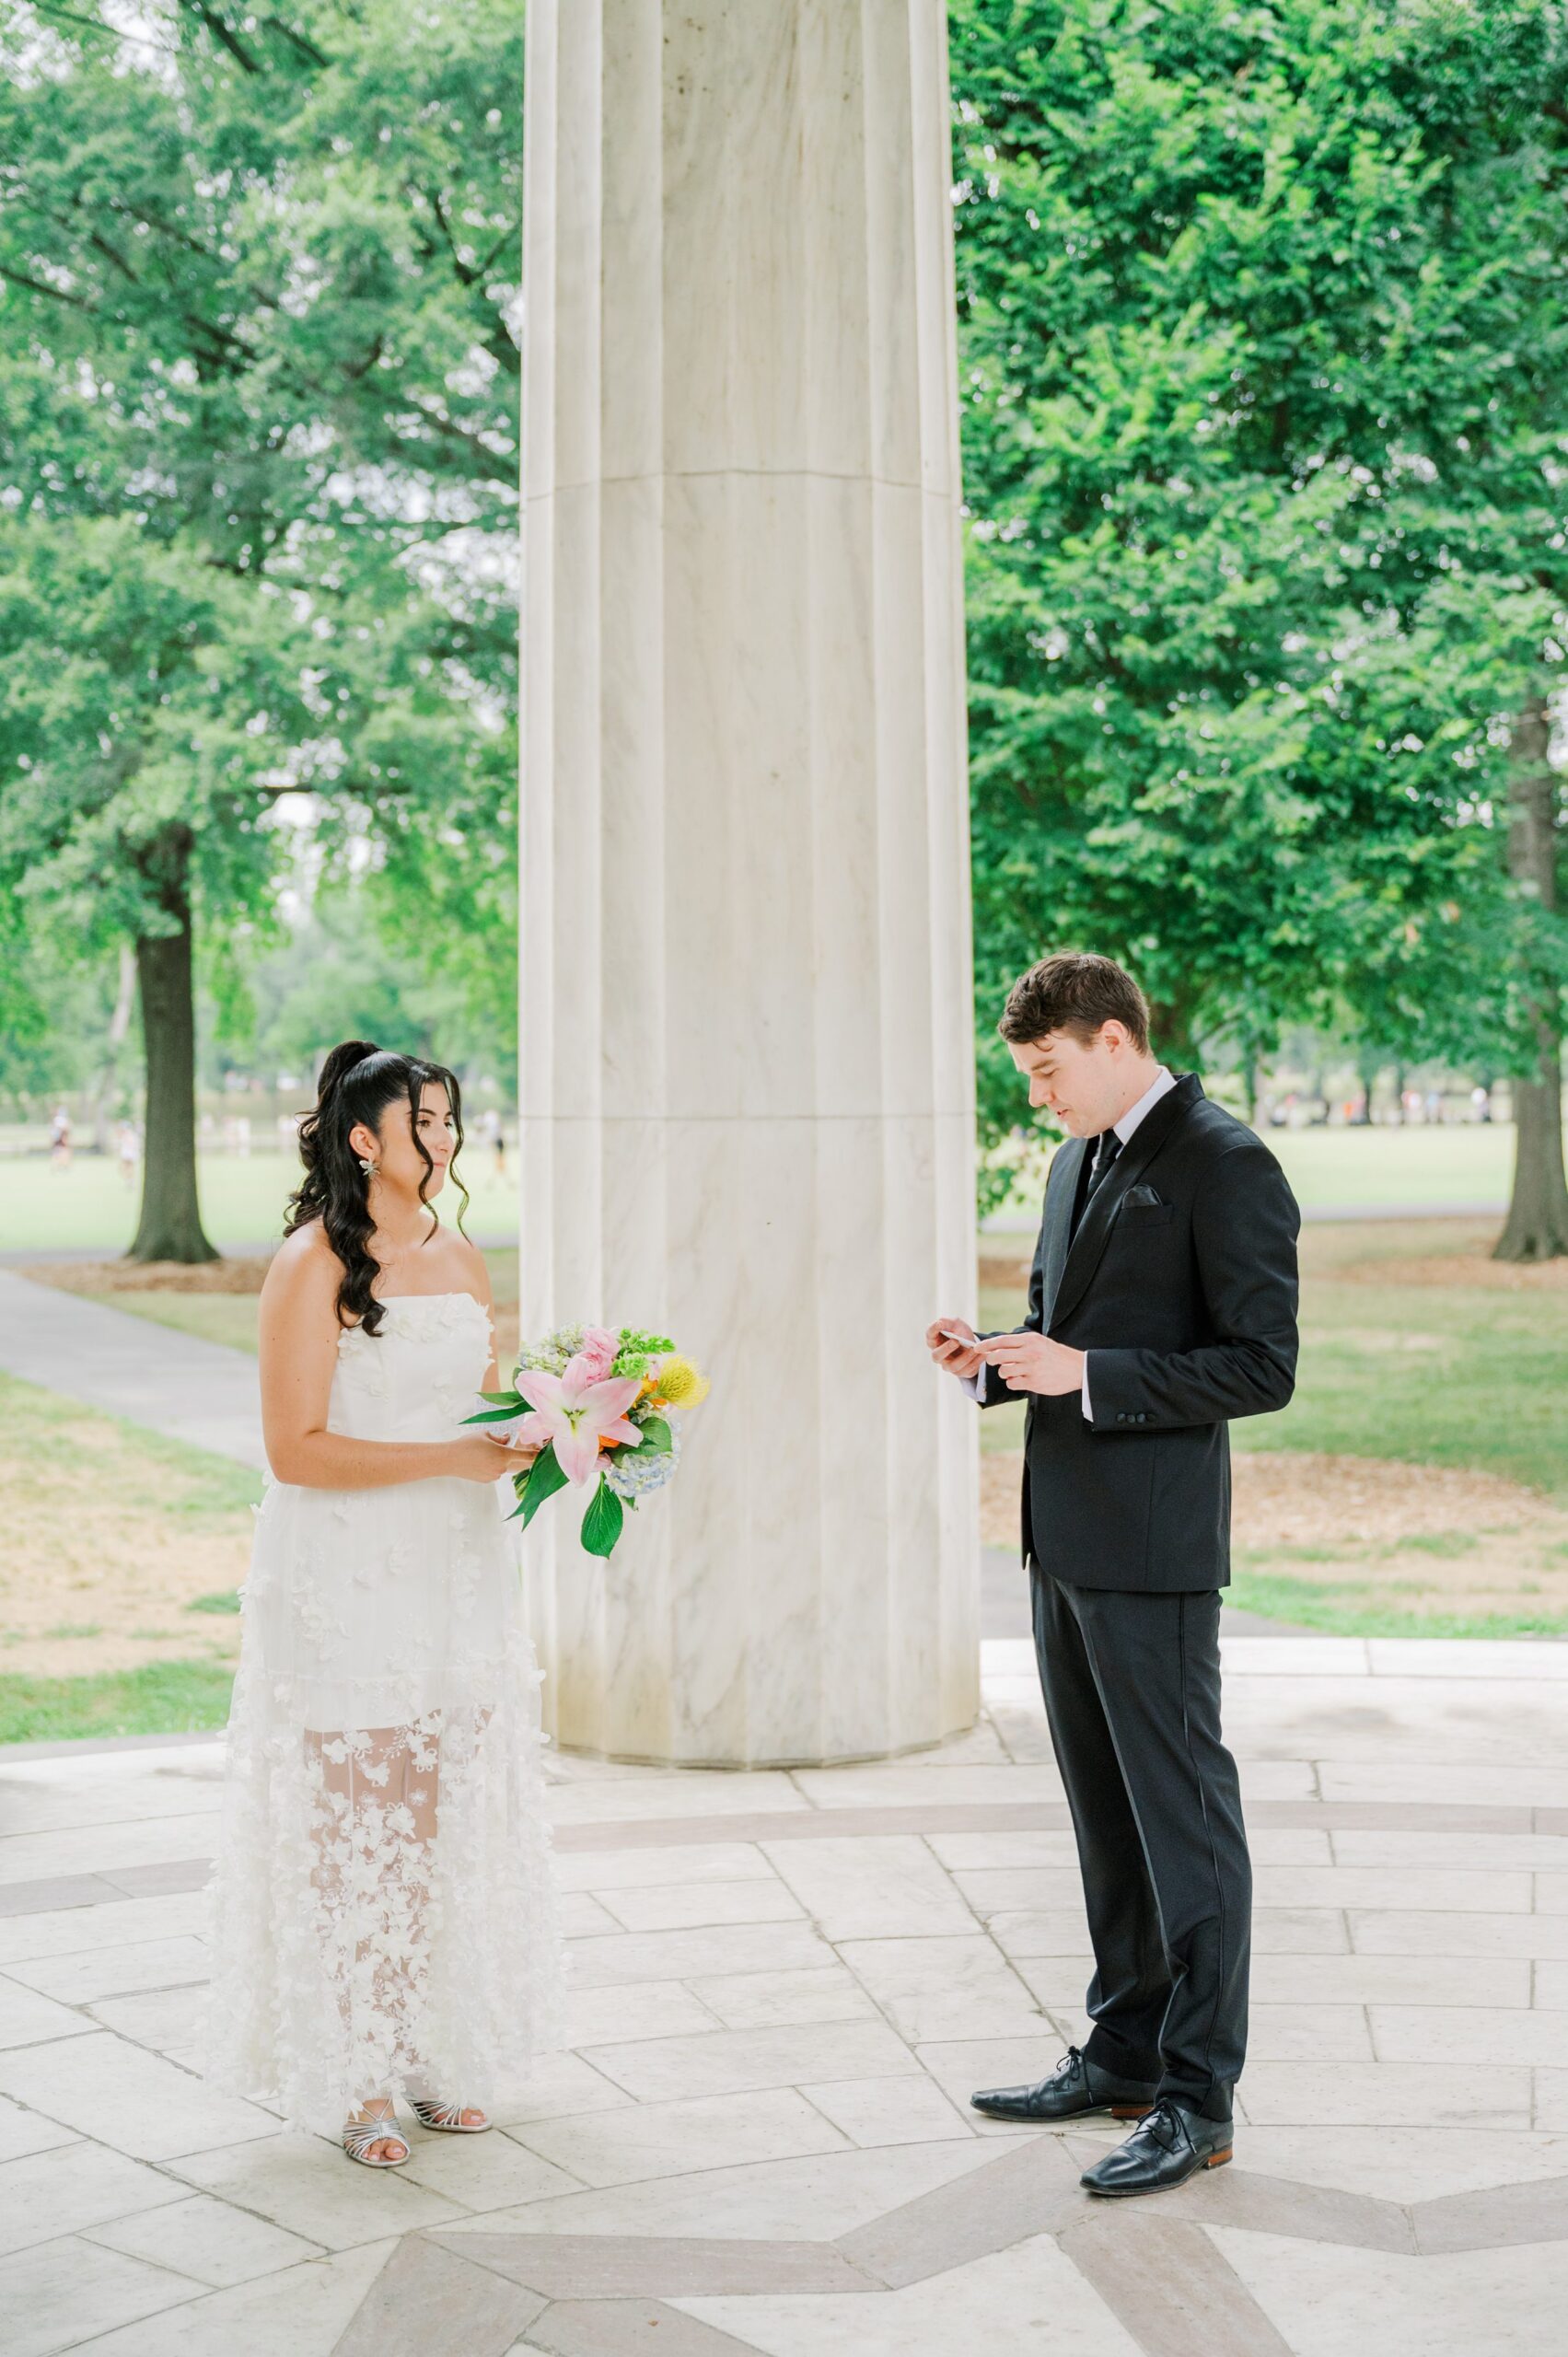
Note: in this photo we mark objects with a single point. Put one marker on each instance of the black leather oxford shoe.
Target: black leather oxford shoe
(1166, 2149)
(1075, 2087)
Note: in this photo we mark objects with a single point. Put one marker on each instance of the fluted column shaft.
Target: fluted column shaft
(747, 1077)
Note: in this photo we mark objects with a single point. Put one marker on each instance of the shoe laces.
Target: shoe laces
(1161, 2125)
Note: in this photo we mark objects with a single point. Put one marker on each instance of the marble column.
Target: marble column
(747, 1073)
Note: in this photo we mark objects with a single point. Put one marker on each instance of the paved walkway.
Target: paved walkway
(785, 1986)
(194, 1392)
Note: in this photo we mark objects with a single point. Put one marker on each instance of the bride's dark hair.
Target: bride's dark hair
(358, 1082)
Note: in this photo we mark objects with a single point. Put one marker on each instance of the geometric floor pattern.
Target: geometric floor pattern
(756, 2143)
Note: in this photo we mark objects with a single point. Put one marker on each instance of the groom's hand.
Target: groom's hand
(961, 1358)
(1034, 1363)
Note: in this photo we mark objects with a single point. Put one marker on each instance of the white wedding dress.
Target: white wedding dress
(383, 1912)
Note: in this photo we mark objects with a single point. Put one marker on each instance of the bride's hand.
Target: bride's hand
(477, 1457)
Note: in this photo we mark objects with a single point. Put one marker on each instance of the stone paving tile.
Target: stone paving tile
(858, 1889)
(430, 2299)
(1399, 2164)
(560, 2085)
(1322, 2299)
(900, 1785)
(64, 2294)
(943, 1987)
(1378, 1887)
(1487, 1853)
(677, 1862)
(1552, 2101)
(1377, 1979)
(108, 1970)
(676, 1907)
(28, 2019)
(723, 2062)
(1470, 2033)
(816, 2197)
(760, 1999)
(77, 2185)
(682, 1956)
(1420, 1932)
(1551, 1894)
(976, 1852)
(1500, 2216)
(582, 1916)
(1304, 2033)
(889, 2111)
(1551, 1986)
(635, 2009)
(118, 1923)
(655, 2138)
(167, 2021)
(680, 1792)
(1468, 1782)
(210, 2240)
(1029, 2296)
(132, 2100)
(302, 2312)
(106, 1850)
(492, 2172)
(1403, 2094)
(23, 2131)
(305, 2186)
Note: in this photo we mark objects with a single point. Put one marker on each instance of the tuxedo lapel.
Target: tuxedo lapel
(1056, 1223)
(1083, 1257)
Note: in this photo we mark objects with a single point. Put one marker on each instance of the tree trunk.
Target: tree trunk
(1537, 1227)
(170, 1225)
(119, 1024)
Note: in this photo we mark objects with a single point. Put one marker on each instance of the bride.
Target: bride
(384, 1918)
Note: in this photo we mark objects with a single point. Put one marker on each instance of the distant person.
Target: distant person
(60, 1139)
(1480, 1103)
(1162, 1303)
(495, 1137)
(128, 1151)
(384, 1919)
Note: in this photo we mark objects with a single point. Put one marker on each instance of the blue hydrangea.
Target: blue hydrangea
(640, 1472)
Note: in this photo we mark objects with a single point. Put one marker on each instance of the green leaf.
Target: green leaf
(497, 1415)
(601, 1524)
(657, 1436)
(506, 1399)
(545, 1478)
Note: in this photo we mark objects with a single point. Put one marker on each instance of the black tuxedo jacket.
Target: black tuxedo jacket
(1180, 1283)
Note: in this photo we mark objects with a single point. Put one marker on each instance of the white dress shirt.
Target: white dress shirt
(1161, 1086)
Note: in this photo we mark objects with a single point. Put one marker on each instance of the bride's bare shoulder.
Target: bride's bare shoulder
(303, 1269)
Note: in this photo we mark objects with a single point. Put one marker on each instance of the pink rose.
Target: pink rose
(593, 1361)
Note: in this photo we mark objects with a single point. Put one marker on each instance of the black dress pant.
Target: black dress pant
(1132, 1685)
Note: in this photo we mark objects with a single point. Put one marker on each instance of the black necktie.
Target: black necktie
(1106, 1152)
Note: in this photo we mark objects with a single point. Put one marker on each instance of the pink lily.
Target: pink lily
(573, 1417)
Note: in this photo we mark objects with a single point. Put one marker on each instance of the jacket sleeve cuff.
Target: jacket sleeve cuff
(1120, 1404)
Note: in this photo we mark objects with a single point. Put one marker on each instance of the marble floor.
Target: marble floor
(785, 1985)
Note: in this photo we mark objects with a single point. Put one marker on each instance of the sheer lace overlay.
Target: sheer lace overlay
(383, 1913)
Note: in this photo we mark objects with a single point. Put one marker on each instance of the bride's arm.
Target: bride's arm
(299, 1344)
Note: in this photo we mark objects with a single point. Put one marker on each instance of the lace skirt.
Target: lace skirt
(383, 1914)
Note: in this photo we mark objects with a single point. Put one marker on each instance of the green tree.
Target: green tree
(258, 451)
(1263, 356)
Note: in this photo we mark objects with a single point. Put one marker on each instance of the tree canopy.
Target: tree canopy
(1264, 321)
(258, 456)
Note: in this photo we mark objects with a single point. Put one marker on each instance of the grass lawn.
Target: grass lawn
(123, 1554)
(1463, 1166)
(1418, 1482)
(90, 1208)
(161, 1698)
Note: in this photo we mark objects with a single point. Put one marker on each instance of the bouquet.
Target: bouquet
(603, 1409)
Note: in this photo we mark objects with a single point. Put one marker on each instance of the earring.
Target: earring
(367, 1166)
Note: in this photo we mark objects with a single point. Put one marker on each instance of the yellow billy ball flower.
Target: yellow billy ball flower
(680, 1385)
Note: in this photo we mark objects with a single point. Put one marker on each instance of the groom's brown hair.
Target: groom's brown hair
(1074, 992)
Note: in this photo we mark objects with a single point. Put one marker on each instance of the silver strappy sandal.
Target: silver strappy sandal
(375, 2128)
(449, 2117)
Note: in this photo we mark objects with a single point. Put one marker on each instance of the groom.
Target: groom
(1162, 1303)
